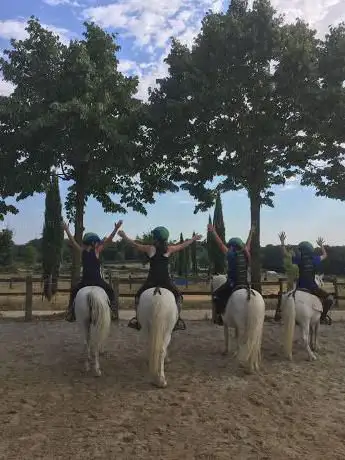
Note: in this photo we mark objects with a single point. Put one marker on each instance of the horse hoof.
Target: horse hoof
(225, 352)
(313, 357)
(98, 372)
(160, 383)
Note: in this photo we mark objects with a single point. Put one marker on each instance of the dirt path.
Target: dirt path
(51, 410)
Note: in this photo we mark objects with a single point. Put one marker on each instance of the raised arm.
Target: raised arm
(146, 248)
(178, 247)
(71, 238)
(219, 242)
(282, 237)
(320, 242)
(109, 239)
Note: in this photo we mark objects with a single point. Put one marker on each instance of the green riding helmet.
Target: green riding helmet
(236, 243)
(160, 234)
(91, 238)
(306, 247)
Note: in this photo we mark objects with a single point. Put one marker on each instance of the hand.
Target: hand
(197, 237)
(118, 224)
(320, 242)
(121, 233)
(210, 228)
(282, 237)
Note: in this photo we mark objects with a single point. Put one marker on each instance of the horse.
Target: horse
(301, 307)
(92, 311)
(245, 312)
(157, 314)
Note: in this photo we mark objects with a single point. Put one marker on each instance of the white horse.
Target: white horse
(92, 311)
(246, 316)
(305, 309)
(157, 314)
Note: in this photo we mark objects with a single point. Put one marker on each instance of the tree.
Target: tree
(187, 261)
(52, 238)
(29, 255)
(210, 243)
(326, 137)
(181, 267)
(6, 247)
(194, 258)
(72, 109)
(218, 223)
(231, 107)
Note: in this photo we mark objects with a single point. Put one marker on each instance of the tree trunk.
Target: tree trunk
(255, 205)
(81, 177)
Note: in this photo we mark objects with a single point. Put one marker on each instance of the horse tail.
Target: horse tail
(289, 320)
(157, 333)
(100, 319)
(250, 352)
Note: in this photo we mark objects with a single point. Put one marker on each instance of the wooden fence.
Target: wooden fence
(115, 282)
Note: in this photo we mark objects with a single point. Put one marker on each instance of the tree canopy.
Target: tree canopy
(72, 109)
(231, 106)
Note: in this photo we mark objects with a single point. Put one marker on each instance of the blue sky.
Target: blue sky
(144, 31)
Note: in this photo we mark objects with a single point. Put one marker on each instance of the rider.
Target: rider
(238, 258)
(307, 263)
(90, 251)
(159, 253)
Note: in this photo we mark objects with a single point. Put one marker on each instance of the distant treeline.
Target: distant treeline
(118, 252)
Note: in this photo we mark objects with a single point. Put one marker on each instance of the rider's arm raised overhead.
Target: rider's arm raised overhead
(71, 238)
(320, 243)
(219, 242)
(140, 247)
(178, 247)
(109, 238)
(249, 241)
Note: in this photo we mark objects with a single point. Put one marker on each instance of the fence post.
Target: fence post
(11, 283)
(278, 314)
(115, 286)
(28, 299)
(130, 281)
(336, 292)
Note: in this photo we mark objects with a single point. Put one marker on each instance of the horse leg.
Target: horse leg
(97, 367)
(226, 340)
(305, 332)
(237, 336)
(315, 342)
(88, 350)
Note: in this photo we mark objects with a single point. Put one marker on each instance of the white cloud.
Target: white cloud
(13, 28)
(62, 2)
(6, 88)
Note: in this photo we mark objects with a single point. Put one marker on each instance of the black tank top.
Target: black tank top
(91, 266)
(159, 268)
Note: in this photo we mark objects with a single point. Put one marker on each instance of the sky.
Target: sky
(144, 31)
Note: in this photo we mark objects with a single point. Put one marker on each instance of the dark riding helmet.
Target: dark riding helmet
(236, 243)
(306, 247)
(160, 234)
(91, 238)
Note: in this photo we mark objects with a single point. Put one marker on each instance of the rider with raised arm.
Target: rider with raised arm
(159, 276)
(91, 276)
(307, 262)
(238, 258)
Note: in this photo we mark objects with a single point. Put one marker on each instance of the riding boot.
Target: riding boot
(326, 304)
(180, 324)
(218, 317)
(70, 313)
(133, 323)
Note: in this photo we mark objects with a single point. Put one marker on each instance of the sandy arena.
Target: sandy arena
(50, 409)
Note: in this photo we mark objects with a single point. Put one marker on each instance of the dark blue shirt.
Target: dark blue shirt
(303, 283)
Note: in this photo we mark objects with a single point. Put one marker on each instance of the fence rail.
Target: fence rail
(29, 292)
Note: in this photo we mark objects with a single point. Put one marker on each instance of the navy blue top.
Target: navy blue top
(91, 266)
